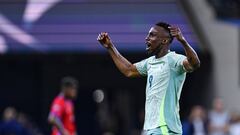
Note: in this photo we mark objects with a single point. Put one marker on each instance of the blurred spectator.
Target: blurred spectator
(198, 122)
(234, 128)
(31, 127)
(10, 125)
(218, 119)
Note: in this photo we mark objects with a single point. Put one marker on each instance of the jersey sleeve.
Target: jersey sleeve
(57, 108)
(178, 63)
(142, 67)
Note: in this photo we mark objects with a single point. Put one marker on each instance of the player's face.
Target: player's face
(154, 40)
(71, 93)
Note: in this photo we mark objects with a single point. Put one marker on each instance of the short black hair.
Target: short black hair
(67, 82)
(165, 26)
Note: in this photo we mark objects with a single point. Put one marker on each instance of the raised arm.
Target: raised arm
(126, 67)
(192, 62)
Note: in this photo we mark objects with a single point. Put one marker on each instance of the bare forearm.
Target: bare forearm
(122, 63)
(126, 67)
(57, 123)
(191, 54)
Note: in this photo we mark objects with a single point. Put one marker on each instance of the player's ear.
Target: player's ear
(165, 41)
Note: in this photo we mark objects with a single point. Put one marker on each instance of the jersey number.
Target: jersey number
(150, 80)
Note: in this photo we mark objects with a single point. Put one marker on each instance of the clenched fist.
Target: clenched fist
(104, 39)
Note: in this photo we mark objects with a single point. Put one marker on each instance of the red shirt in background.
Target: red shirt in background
(64, 110)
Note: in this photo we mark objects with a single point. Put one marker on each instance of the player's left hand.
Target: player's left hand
(176, 32)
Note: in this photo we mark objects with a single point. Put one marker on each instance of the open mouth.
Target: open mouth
(148, 45)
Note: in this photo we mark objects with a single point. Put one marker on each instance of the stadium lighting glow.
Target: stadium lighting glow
(15, 32)
(36, 8)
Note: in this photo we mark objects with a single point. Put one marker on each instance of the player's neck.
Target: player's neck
(162, 52)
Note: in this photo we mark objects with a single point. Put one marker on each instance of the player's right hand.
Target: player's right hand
(104, 39)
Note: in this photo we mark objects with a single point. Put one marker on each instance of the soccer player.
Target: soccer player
(61, 115)
(165, 71)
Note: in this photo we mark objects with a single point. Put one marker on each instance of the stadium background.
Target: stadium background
(43, 41)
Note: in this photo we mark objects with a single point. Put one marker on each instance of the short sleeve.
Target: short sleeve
(178, 63)
(142, 67)
(57, 107)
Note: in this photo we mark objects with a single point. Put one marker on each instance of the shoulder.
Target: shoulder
(58, 104)
(173, 55)
(174, 58)
(211, 113)
(58, 100)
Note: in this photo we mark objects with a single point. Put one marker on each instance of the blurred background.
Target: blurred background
(43, 41)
